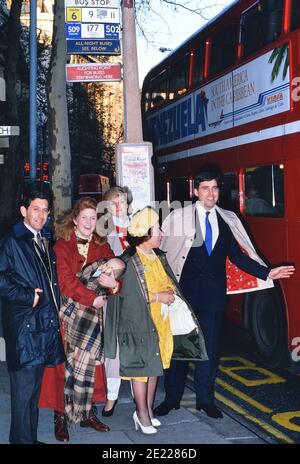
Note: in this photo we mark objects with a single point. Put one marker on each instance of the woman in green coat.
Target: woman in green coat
(150, 318)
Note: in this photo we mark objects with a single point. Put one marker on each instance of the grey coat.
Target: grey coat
(129, 320)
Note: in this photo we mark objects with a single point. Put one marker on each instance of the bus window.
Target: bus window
(224, 49)
(198, 66)
(229, 192)
(147, 101)
(264, 191)
(295, 15)
(93, 185)
(180, 190)
(179, 77)
(159, 87)
(261, 25)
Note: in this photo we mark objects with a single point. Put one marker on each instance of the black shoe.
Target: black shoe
(110, 411)
(164, 408)
(210, 409)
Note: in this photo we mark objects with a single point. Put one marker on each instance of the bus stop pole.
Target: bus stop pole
(133, 157)
(32, 90)
(132, 106)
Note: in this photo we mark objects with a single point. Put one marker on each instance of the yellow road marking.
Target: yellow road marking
(243, 396)
(243, 361)
(284, 419)
(269, 377)
(268, 428)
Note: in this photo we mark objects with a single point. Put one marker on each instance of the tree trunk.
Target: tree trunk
(60, 163)
(11, 180)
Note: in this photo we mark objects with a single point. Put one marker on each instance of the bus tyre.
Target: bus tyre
(268, 327)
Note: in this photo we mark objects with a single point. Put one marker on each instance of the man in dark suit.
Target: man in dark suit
(197, 242)
(31, 300)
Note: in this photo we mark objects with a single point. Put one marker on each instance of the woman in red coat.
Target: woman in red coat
(77, 246)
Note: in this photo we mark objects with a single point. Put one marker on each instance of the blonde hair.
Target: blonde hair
(122, 192)
(65, 227)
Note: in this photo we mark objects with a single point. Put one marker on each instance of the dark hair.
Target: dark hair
(208, 172)
(136, 241)
(28, 195)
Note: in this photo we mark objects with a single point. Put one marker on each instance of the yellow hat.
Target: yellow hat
(142, 221)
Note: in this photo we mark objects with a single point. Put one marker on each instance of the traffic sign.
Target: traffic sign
(91, 3)
(93, 47)
(92, 31)
(4, 142)
(91, 72)
(73, 15)
(9, 131)
(92, 15)
(100, 15)
(2, 89)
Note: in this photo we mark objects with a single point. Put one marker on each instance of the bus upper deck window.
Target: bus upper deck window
(224, 49)
(198, 65)
(261, 25)
(179, 77)
(159, 87)
(295, 15)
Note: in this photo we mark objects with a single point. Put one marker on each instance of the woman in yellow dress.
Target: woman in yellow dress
(138, 317)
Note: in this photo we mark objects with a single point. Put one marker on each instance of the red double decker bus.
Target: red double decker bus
(230, 95)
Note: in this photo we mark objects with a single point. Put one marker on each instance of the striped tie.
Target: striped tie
(39, 241)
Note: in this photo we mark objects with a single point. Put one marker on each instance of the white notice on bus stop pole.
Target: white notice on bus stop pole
(134, 169)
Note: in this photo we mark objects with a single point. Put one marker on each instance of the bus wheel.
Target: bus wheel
(268, 327)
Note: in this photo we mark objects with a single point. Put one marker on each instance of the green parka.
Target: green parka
(128, 319)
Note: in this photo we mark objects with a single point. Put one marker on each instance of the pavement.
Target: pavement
(183, 426)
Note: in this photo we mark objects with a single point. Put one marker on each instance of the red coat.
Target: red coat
(69, 262)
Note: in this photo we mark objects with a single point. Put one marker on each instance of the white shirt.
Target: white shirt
(35, 232)
(212, 219)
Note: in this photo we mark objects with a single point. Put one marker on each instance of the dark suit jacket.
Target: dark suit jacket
(203, 279)
(31, 335)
